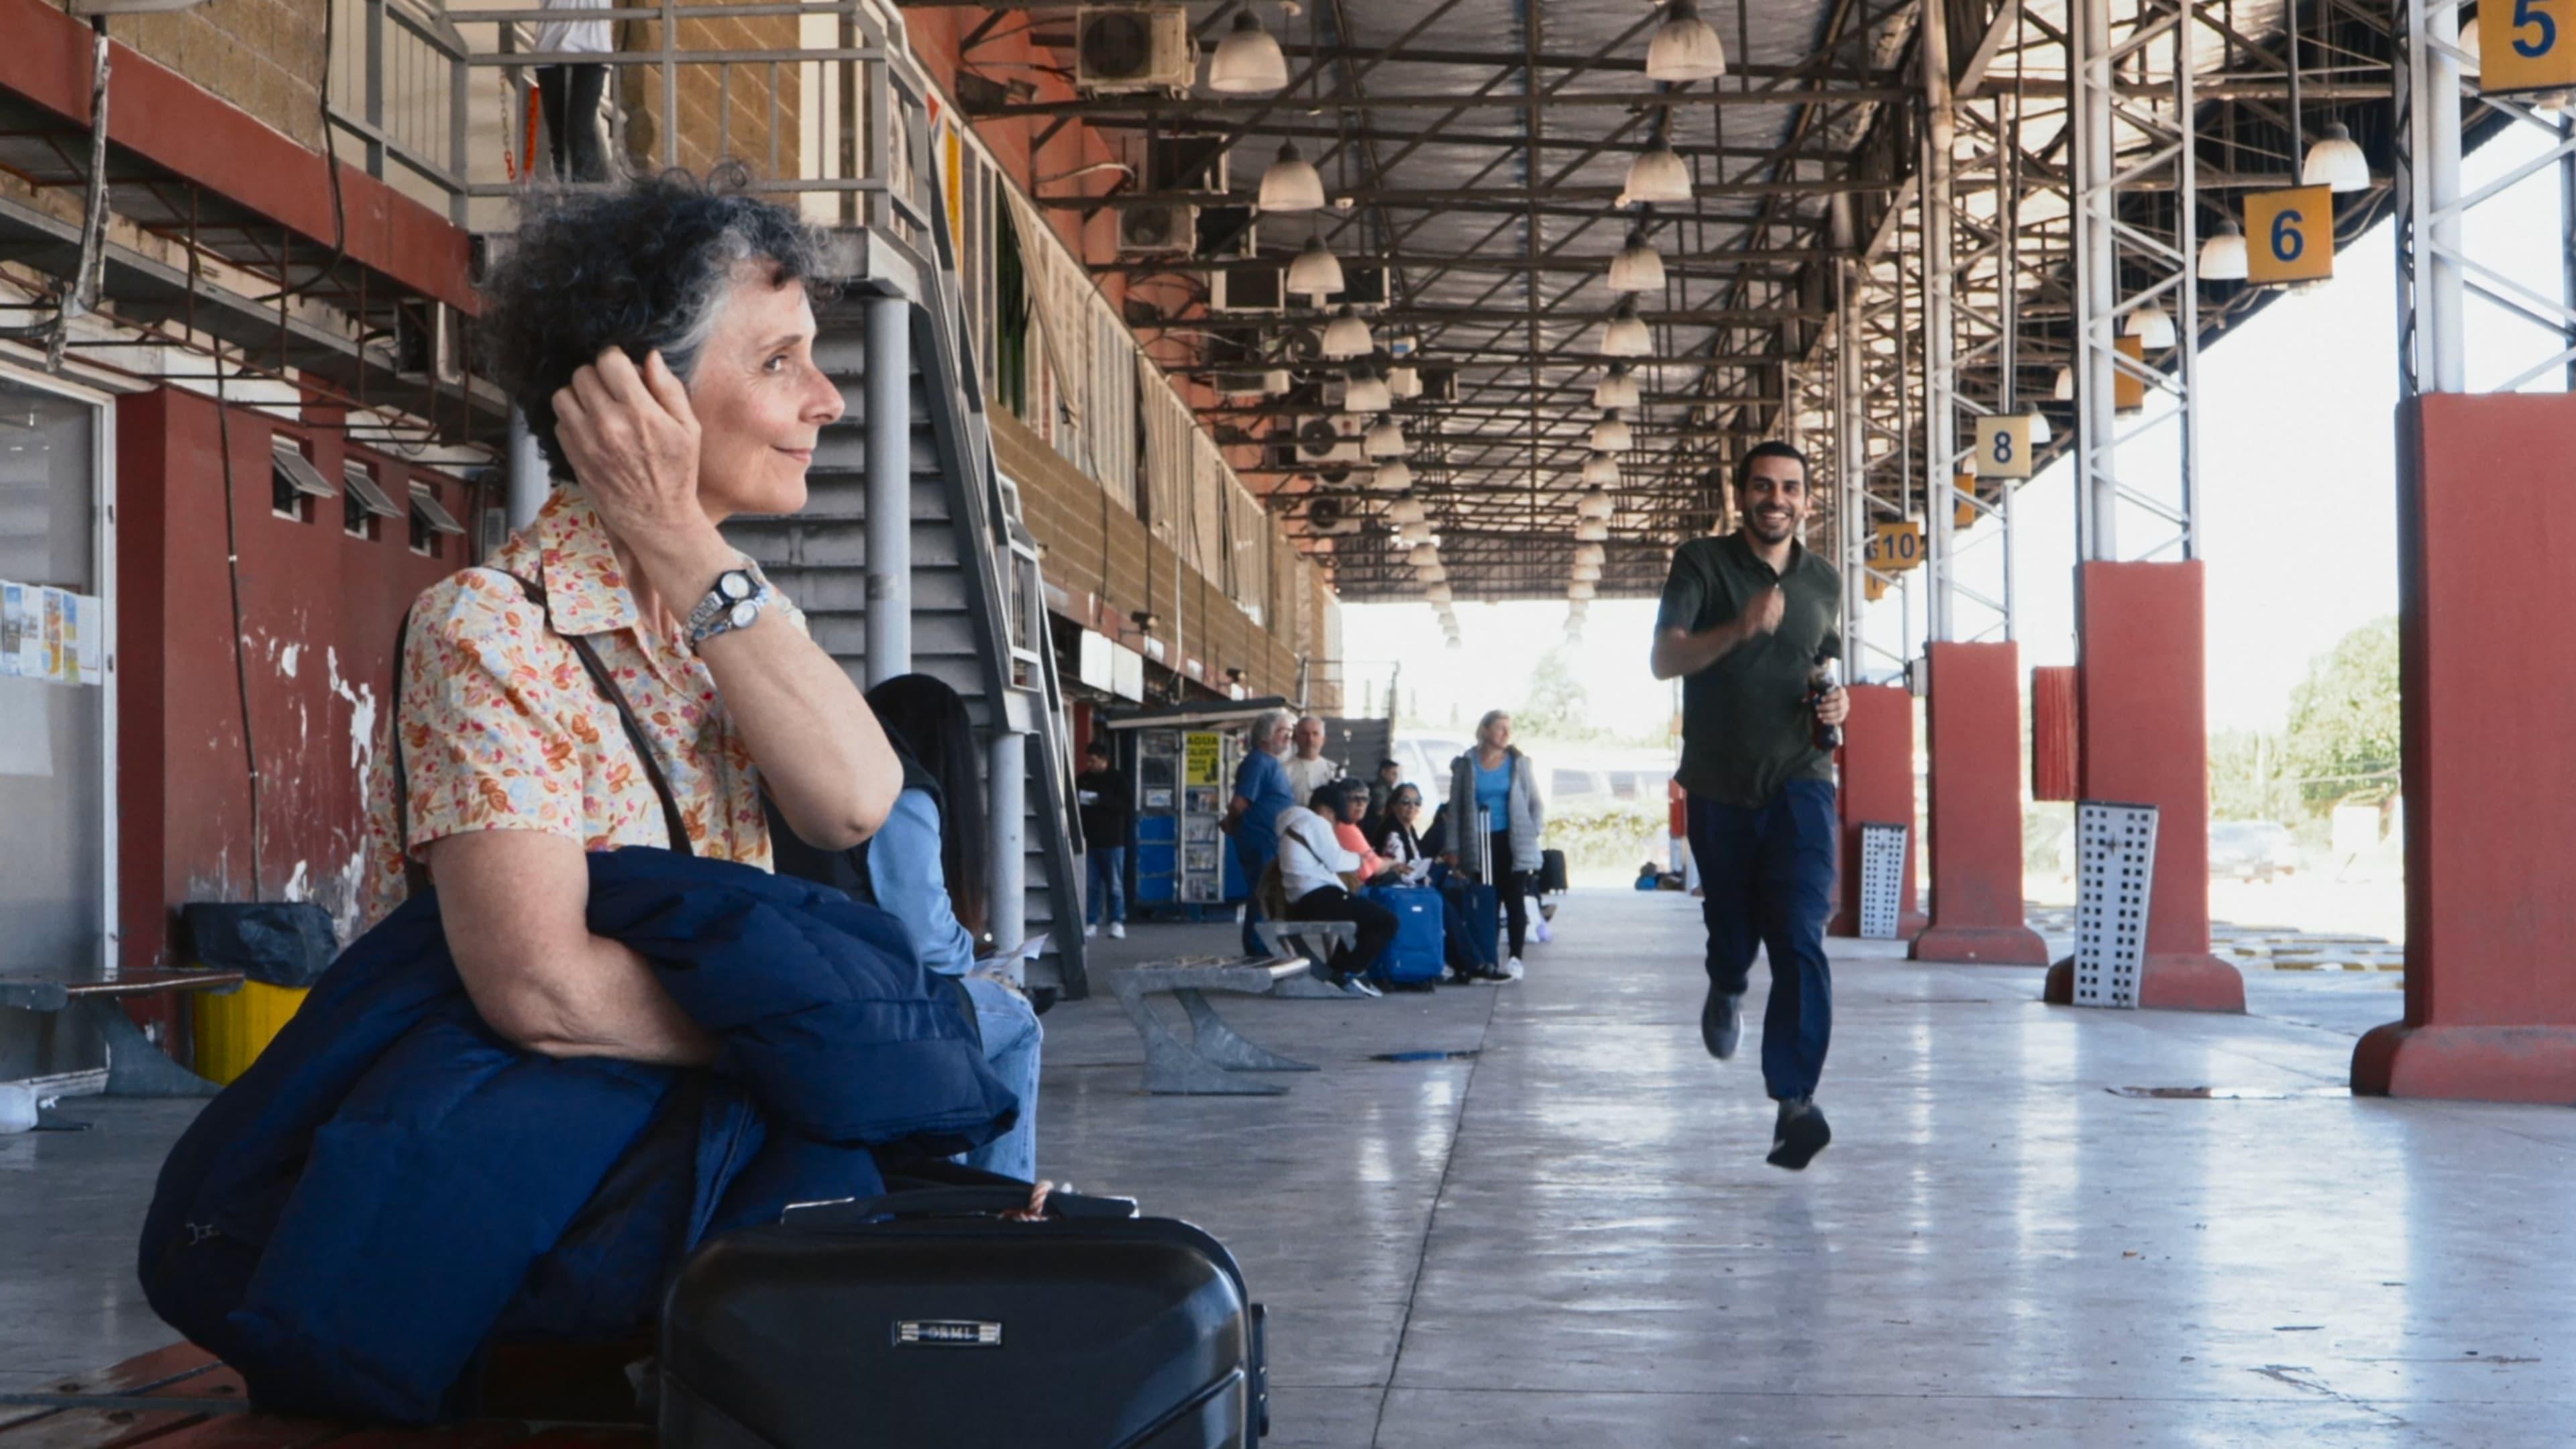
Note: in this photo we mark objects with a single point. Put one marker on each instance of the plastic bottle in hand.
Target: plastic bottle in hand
(1821, 681)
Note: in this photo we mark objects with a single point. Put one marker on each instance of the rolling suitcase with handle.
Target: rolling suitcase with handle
(1418, 952)
(925, 1317)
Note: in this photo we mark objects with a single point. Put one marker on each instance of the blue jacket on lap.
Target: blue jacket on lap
(392, 1186)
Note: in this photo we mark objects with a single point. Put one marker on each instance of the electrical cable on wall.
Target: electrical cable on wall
(330, 170)
(241, 639)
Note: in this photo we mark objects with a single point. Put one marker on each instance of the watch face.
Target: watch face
(744, 613)
(735, 583)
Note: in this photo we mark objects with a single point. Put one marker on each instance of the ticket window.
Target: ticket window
(56, 882)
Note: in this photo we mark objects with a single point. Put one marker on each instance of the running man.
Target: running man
(1745, 620)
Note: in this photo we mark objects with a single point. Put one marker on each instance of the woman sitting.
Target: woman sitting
(1352, 806)
(1316, 873)
(926, 866)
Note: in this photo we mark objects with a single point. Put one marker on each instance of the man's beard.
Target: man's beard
(1788, 528)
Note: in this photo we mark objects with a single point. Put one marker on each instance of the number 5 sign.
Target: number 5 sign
(2003, 445)
(2524, 45)
(2289, 235)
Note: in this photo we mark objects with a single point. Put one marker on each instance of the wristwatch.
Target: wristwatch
(734, 603)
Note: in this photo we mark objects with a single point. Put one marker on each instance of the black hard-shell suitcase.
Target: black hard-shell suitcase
(947, 1325)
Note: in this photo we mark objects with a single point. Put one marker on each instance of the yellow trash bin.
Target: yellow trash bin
(233, 1029)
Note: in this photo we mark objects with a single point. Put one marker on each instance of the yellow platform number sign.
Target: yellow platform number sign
(1895, 547)
(2003, 446)
(2289, 235)
(1964, 511)
(2524, 45)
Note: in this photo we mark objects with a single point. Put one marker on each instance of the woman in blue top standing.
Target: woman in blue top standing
(1495, 781)
(926, 868)
(1252, 816)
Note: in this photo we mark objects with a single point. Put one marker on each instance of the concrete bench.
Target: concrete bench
(1206, 1064)
(1315, 941)
(135, 1067)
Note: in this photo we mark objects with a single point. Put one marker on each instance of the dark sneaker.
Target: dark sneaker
(1799, 1135)
(1721, 1022)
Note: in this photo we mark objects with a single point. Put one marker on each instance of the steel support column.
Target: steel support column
(889, 487)
(1940, 321)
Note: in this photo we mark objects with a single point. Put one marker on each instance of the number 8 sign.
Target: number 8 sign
(2003, 446)
(2289, 235)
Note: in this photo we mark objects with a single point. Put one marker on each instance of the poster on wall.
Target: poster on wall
(13, 613)
(53, 635)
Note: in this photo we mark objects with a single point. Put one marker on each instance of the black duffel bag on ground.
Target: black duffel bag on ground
(926, 1317)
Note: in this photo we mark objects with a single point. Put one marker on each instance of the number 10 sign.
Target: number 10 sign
(2289, 235)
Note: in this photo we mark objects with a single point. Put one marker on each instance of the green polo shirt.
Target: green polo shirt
(1746, 728)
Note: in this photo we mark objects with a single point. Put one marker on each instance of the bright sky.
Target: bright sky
(2298, 500)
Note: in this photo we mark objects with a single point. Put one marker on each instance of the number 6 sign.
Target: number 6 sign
(2289, 235)
(2003, 445)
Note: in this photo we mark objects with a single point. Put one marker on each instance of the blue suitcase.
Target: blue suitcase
(1416, 952)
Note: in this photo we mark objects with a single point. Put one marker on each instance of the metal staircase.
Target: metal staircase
(977, 605)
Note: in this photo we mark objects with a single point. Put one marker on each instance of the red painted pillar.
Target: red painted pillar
(1877, 786)
(1973, 715)
(2143, 686)
(2487, 673)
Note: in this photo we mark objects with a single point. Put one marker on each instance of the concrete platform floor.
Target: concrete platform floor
(1571, 1239)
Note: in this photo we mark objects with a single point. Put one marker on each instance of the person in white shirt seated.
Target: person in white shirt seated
(1316, 874)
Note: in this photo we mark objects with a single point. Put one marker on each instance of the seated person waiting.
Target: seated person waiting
(926, 868)
(1316, 873)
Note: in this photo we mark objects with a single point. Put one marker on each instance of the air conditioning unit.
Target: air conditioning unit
(1228, 231)
(1327, 440)
(1363, 287)
(1161, 230)
(1252, 289)
(1191, 161)
(1126, 49)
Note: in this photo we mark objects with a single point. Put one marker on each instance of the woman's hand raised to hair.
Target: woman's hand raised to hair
(633, 442)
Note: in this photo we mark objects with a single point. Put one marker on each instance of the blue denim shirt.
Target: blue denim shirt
(903, 866)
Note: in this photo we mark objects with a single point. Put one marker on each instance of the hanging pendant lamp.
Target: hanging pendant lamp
(1601, 470)
(1618, 390)
(1638, 267)
(2336, 162)
(1658, 176)
(1685, 47)
(2153, 326)
(1292, 183)
(1315, 272)
(1347, 336)
(1612, 434)
(1593, 505)
(2222, 257)
(1391, 475)
(1366, 392)
(1385, 440)
(1625, 334)
(1248, 62)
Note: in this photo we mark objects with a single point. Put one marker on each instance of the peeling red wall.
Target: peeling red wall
(320, 608)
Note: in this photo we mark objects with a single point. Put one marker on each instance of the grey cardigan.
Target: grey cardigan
(1527, 811)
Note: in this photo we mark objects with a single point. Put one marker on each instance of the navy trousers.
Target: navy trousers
(1767, 877)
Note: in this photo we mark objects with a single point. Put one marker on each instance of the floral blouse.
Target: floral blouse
(502, 728)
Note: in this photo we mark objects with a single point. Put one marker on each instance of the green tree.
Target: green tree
(2341, 745)
(2248, 778)
(1556, 706)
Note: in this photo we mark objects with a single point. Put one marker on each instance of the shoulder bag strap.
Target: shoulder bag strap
(416, 875)
(672, 820)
